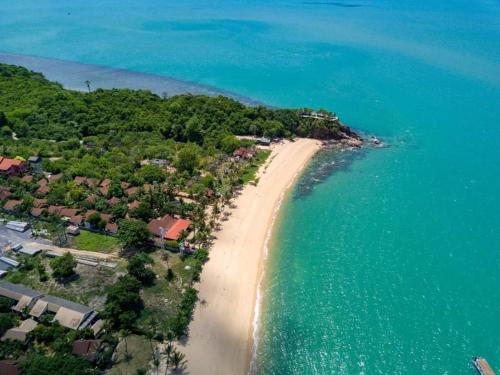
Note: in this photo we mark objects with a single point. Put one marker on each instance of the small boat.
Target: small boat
(482, 366)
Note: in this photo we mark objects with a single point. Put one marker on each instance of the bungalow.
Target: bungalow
(91, 198)
(37, 211)
(43, 186)
(86, 349)
(104, 190)
(10, 167)
(131, 190)
(133, 205)
(170, 226)
(244, 153)
(75, 220)
(4, 192)
(55, 210)
(92, 182)
(124, 185)
(28, 178)
(21, 332)
(79, 180)
(111, 228)
(69, 314)
(25, 297)
(105, 182)
(114, 201)
(68, 212)
(38, 203)
(11, 205)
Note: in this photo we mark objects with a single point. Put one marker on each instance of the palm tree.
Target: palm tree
(167, 352)
(87, 83)
(178, 359)
(124, 333)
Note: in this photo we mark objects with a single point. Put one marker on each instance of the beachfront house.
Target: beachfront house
(171, 227)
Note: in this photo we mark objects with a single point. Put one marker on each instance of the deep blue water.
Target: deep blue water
(390, 265)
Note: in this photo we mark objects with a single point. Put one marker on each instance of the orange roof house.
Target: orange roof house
(36, 211)
(114, 201)
(11, 205)
(10, 167)
(133, 205)
(173, 227)
(111, 228)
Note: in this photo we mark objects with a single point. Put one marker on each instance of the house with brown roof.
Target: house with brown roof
(131, 190)
(36, 211)
(86, 349)
(38, 203)
(105, 182)
(92, 182)
(55, 177)
(171, 227)
(21, 332)
(28, 178)
(68, 212)
(76, 220)
(124, 185)
(43, 186)
(9, 367)
(114, 201)
(55, 210)
(133, 205)
(79, 180)
(4, 192)
(91, 198)
(10, 167)
(111, 228)
(244, 153)
(104, 190)
(11, 205)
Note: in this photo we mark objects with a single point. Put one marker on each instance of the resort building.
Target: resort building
(171, 227)
(69, 314)
(10, 167)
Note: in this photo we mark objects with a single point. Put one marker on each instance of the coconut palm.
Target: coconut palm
(178, 359)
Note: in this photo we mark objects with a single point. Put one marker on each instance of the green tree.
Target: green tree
(63, 266)
(133, 233)
(152, 173)
(137, 268)
(123, 302)
(39, 364)
(188, 159)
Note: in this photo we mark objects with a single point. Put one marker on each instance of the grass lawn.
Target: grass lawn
(250, 172)
(140, 350)
(95, 242)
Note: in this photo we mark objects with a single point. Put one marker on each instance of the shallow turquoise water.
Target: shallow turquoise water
(390, 265)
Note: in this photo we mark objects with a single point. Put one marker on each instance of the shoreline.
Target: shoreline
(72, 75)
(221, 335)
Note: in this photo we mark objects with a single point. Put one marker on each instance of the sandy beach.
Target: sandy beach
(220, 338)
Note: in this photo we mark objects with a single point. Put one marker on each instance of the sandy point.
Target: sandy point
(220, 335)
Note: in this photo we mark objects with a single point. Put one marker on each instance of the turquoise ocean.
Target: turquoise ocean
(383, 261)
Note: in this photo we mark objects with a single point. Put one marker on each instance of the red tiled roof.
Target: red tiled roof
(6, 164)
(43, 190)
(11, 204)
(79, 180)
(132, 190)
(76, 220)
(68, 212)
(4, 193)
(36, 211)
(91, 198)
(114, 201)
(43, 182)
(86, 348)
(89, 213)
(106, 217)
(39, 202)
(27, 178)
(133, 205)
(171, 225)
(9, 367)
(175, 231)
(105, 182)
(112, 227)
(104, 190)
(92, 182)
(54, 210)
